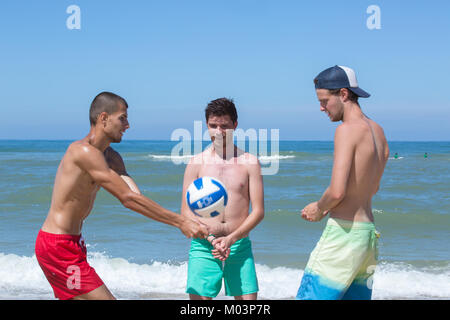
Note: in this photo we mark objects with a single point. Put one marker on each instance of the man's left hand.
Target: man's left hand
(312, 212)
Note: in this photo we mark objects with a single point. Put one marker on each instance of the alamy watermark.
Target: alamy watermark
(74, 20)
(190, 147)
(374, 20)
(74, 280)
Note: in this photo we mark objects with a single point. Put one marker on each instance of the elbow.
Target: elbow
(127, 199)
(260, 214)
(337, 195)
(257, 214)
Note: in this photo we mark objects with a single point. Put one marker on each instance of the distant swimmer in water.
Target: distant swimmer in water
(425, 155)
(396, 155)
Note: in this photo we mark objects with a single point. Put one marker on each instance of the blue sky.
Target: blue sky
(169, 58)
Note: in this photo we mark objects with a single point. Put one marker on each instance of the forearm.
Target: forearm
(328, 200)
(152, 210)
(186, 212)
(253, 219)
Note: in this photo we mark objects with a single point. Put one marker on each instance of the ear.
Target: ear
(235, 125)
(343, 94)
(103, 118)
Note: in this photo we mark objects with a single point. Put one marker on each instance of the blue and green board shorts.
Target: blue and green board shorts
(342, 264)
(205, 273)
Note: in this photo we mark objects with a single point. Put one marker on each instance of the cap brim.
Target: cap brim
(360, 92)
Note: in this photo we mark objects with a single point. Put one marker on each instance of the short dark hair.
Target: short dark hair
(105, 102)
(221, 107)
(351, 95)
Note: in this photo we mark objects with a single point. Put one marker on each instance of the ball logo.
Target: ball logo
(203, 203)
(207, 197)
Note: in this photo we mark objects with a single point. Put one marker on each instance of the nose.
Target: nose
(218, 131)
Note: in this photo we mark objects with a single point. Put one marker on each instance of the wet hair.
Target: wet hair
(105, 102)
(221, 107)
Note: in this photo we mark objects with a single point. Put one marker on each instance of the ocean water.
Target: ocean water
(139, 258)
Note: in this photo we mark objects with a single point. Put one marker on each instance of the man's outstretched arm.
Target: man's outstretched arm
(92, 161)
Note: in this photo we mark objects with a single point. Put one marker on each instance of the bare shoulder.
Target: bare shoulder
(81, 153)
(193, 166)
(347, 131)
(354, 131)
(198, 159)
(381, 137)
(377, 128)
(250, 161)
(83, 148)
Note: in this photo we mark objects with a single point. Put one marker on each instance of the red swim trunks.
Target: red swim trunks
(62, 257)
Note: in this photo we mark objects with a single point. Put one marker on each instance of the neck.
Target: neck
(352, 111)
(226, 152)
(97, 139)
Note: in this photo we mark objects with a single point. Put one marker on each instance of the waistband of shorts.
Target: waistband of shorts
(59, 236)
(206, 242)
(347, 224)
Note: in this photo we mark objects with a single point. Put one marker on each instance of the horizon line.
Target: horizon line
(165, 140)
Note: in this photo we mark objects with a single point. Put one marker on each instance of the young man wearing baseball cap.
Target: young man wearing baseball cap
(342, 264)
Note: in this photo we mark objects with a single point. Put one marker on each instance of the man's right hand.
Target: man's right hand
(194, 229)
(221, 250)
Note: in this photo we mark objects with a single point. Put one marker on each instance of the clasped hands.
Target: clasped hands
(221, 246)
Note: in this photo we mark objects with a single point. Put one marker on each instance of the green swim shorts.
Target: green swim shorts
(342, 264)
(205, 273)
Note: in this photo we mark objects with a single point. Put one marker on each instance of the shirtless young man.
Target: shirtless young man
(87, 165)
(344, 260)
(227, 252)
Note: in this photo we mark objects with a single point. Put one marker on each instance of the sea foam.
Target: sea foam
(22, 278)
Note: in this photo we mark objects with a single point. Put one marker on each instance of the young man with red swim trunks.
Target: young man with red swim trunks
(87, 165)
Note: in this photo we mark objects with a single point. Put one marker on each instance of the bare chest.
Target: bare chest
(234, 176)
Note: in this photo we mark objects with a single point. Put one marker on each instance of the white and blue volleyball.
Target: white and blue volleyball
(207, 197)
